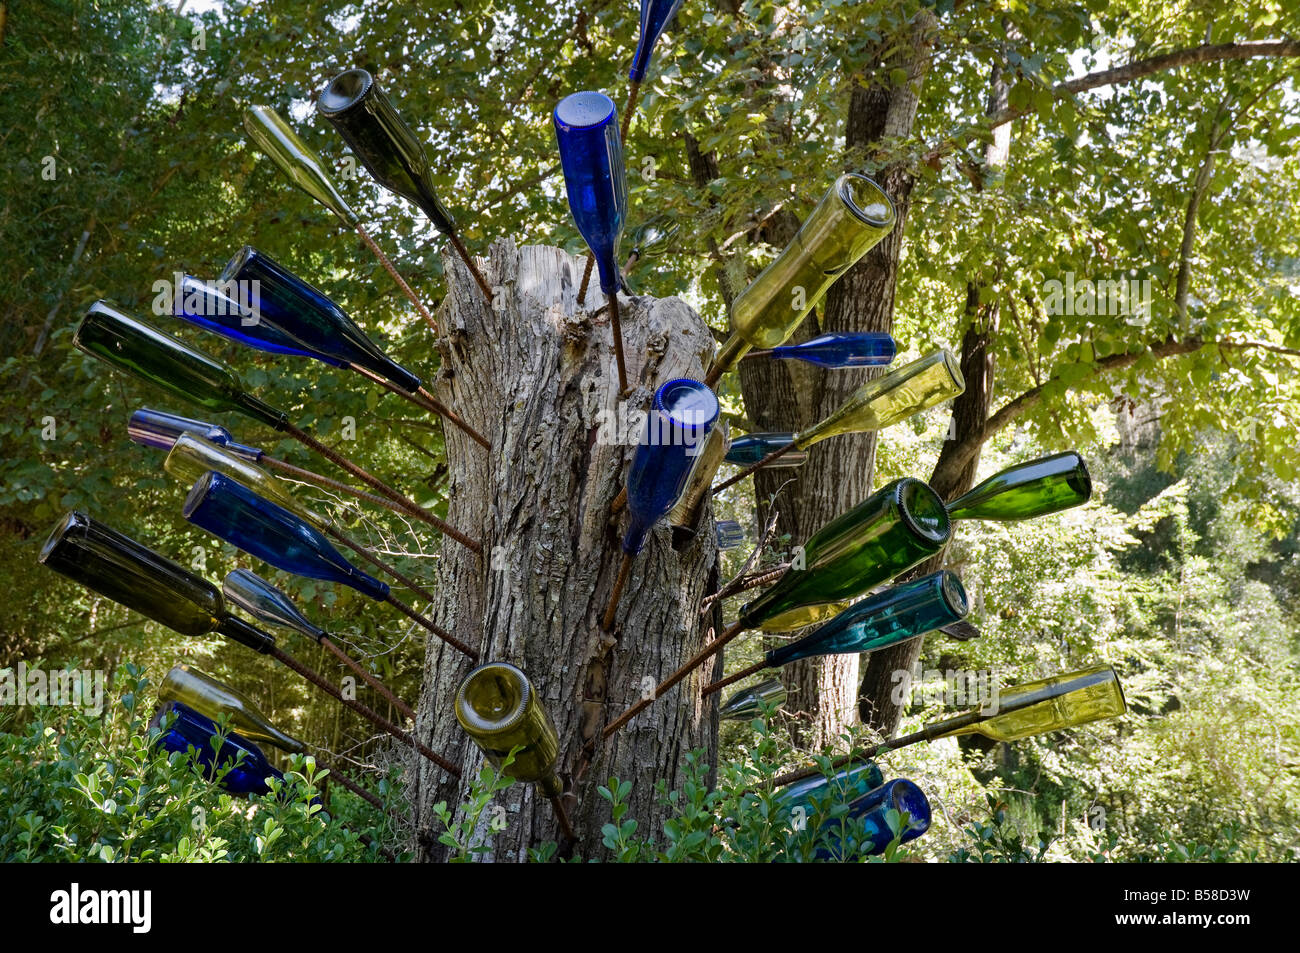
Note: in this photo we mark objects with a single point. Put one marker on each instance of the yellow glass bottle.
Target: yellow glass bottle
(852, 217)
(887, 400)
(213, 699)
(499, 710)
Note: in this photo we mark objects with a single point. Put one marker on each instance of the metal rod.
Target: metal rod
(401, 282)
(732, 679)
(330, 483)
(624, 570)
(441, 633)
(439, 407)
(473, 268)
(618, 340)
(429, 403)
(586, 279)
(408, 505)
(369, 679)
(365, 712)
(562, 816)
(699, 659)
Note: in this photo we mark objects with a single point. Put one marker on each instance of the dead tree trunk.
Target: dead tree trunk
(535, 374)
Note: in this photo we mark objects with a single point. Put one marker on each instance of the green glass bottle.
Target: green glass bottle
(191, 456)
(119, 568)
(297, 160)
(381, 139)
(1037, 488)
(889, 532)
(803, 616)
(1043, 705)
(748, 703)
(110, 334)
(853, 216)
(499, 710)
(213, 699)
(887, 400)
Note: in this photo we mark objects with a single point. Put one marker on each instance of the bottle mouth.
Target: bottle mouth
(866, 200)
(688, 404)
(584, 110)
(953, 593)
(1080, 479)
(74, 522)
(905, 796)
(344, 92)
(923, 511)
(198, 493)
(237, 263)
(493, 698)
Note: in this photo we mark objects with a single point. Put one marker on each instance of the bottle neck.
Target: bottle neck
(245, 634)
(260, 410)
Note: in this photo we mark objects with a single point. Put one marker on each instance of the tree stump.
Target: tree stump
(536, 375)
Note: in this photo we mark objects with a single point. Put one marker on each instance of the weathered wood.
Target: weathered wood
(535, 375)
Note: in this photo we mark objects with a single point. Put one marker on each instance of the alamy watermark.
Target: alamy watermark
(70, 688)
(628, 426)
(212, 299)
(1106, 297)
(953, 688)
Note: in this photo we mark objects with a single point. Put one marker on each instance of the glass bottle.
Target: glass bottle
(499, 710)
(888, 617)
(233, 512)
(191, 457)
(748, 703)
(814, 795)
(652, 238)
(133, 345)
(1043, 705)
(215, 309)
(119, 568)
(800, 617)
(857, 349)
(852, 217)
(591, 155)
(676, 429)
(1036, 488)
(753, 447)
(306, 315)
(263, 601)
(699, 480)
(181, 728)
(730, 534)
(655, 15)
(154, 428)
(297, 160)
(888, 533)
(213, 699)
(370, 125)
(871, 811)
(887, 400)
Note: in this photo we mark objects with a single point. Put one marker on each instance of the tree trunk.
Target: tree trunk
(535, 374)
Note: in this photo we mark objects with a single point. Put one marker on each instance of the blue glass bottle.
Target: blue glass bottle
(868, 823)
(817, 794)
(210, 307)
(753, 447)
(181, 728)
(884, 618)
(655, 15)
(307, 316)
(683, 413)
(863, 349)
(591, 154)
(155, 428)
(257, 526)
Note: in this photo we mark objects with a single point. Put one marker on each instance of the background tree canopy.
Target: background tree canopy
(1035, 150)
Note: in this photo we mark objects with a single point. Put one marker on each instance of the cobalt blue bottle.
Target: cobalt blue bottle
(208, 306)
(188, 729)
(817, 794)
(305, 315)
(154, 428)
(683, 413)
(233, 512)
(655, 15)
(591, 154)
(884, 618)
(862, 349)
(868, 824)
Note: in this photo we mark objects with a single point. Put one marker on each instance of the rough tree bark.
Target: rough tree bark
(535, 374)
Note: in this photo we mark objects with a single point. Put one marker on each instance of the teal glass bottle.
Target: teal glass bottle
(812, 796)
(884, 618)
(753, 447)
(140, 349)
(119, 568)
(1036, 488)
(888, 533)
(748, 703)
(868, 822)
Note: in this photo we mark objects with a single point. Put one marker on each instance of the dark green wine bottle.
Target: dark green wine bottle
(110, 334)
(1036, 488)
(130, 573)
(888, 533)
(367, 121)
